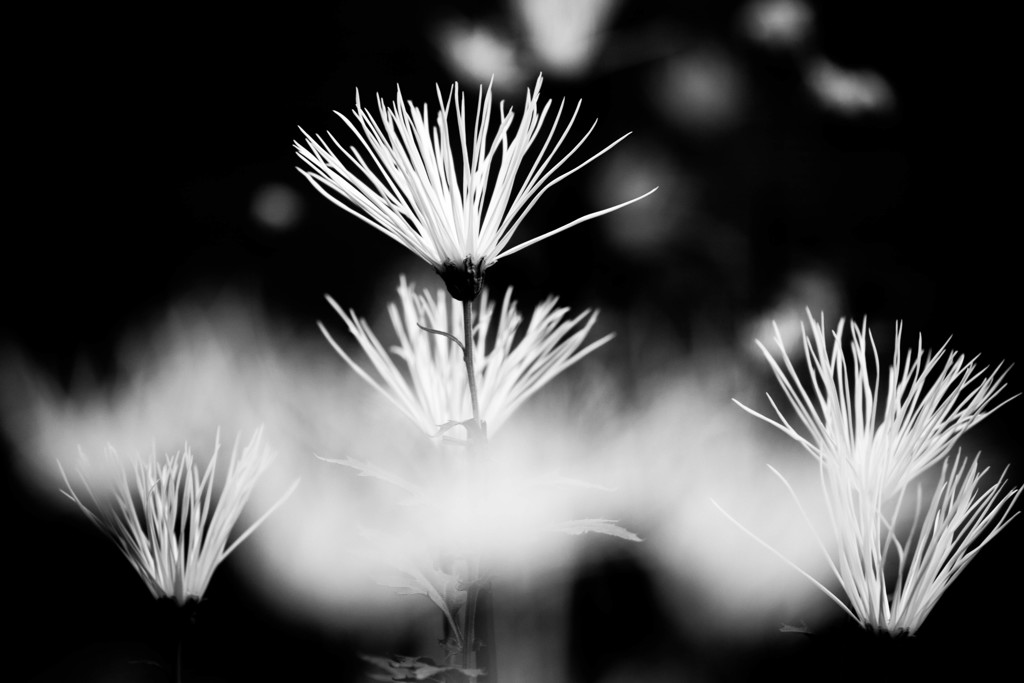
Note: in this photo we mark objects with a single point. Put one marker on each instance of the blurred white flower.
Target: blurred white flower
(513, 363)
(451, 202)
(276, 207)
(182, 534)
(565, 35)
(703, 89)
(777, 23)
(850, 92)
(478, 51)
(868, 462)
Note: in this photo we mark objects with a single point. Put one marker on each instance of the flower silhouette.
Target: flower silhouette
(454, 202)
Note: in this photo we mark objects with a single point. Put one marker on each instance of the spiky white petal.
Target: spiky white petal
(181, 535)
(424, 376)
(448, 200)
(930, 401)
(871, 452)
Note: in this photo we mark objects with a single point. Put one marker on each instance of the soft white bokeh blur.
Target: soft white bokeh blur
(688, 445)
(662, 220)
(562, 38)
(849, 92)
(477, 52)
(277, 207)
(575, 451)
(702, 89)
(777, 23)
(565, 36)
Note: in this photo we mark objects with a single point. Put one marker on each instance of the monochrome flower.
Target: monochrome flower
(428, 383)
(454, 202)
(870, 457)
(162, 515)
(885, 442)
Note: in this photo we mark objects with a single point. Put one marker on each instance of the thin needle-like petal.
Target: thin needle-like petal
(454, 200)
(424, 376)
(182, 534)
(871, 450)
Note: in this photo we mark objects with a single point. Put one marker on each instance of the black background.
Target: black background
(138, 136)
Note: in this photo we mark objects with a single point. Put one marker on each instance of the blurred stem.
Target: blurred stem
(469, 658)
(480, 600)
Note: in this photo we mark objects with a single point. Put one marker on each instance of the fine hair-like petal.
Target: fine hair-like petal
(449, 199)
(424, 375)
(163, 515)
(871, 452)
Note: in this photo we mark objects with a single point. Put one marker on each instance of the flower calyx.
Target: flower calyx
(464, 281)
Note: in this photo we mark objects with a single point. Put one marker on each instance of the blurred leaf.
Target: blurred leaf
(368, 469)
(416, 576)
(596, 526)
(787, 628)
(402, 668)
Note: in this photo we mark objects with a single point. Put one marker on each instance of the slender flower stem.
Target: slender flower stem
(476, 431)
(184, 619)
(474, 602)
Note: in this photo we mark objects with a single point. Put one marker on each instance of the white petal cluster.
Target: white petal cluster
(453, 200)
(163, 514)
(872, 450)
(884, 442)
(424, 375)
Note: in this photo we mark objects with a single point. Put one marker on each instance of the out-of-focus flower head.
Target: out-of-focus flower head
(565, 35)
(870, 460)
(702, 89)
(454, 201)
(162, 515)
(433, 390)
(777, 23)
(478, 50)
(849, 92)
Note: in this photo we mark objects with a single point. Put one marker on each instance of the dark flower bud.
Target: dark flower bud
(464, 281)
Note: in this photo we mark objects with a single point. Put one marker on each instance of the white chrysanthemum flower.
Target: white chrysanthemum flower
(182, 533)
(429, 384)
(454, 203)
(869, 457)
(931, 400)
